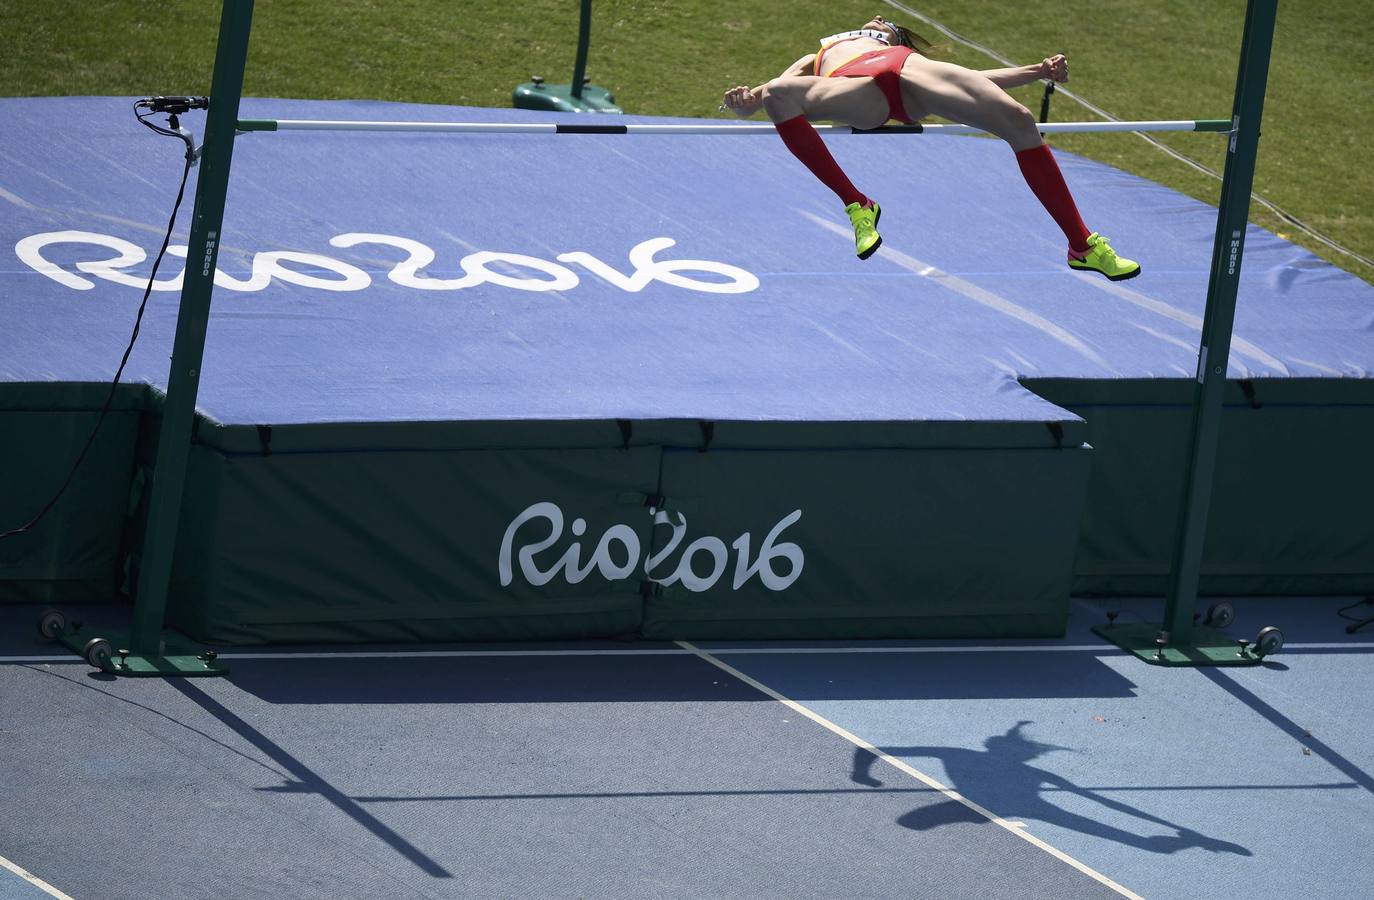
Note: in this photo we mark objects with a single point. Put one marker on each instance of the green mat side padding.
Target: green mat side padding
(292, 535)
(403, 546)
(75, 396)
(73, 554)
(921, 543)
(597, 433)
(1293, 506)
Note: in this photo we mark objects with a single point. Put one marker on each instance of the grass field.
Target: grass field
(1145, 60)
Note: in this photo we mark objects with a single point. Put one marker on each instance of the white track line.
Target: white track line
(33, 879)
(443, 654)
(1103, 649)
(1107, 649)
(1011, 825)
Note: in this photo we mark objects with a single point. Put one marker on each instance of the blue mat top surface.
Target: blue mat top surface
(411, 277)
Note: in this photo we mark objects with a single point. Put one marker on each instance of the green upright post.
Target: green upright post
(584, 39)
(174, 440)
(1177, 641)
(1215, 350)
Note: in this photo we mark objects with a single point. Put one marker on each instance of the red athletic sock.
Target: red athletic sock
(806, 145)
(1043, 175)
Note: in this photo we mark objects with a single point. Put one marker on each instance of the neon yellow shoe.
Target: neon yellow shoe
(865, 222)
(1102, 258)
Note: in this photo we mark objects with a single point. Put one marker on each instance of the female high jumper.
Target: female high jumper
(864, 78)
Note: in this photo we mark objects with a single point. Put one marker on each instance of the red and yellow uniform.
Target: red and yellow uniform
(883, 66)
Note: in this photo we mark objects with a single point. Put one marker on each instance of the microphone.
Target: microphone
(175, 105)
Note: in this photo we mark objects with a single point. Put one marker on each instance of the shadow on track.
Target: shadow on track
(1288, 726)
(1007, 757)
(306, 781)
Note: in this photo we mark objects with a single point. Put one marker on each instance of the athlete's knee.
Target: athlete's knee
(1018, 125)
(1015, 117)
(784, 96)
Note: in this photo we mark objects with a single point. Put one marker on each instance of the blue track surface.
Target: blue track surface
(969, 292)
(643, 769)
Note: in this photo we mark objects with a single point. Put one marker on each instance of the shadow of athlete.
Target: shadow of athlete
(1009, 755)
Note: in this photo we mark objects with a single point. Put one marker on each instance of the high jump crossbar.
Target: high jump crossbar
(245, 125)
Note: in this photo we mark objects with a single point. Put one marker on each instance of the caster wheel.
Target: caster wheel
(98, 652)
(1269, 640)
(1221, 614)
(51, 623)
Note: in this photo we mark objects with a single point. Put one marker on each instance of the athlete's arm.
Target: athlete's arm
(745, 101)
(1052, 68)
(803, 66)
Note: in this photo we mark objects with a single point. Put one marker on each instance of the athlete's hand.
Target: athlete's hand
(742, 101)
(1055, 68)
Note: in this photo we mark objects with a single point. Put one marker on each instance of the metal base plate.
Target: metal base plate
(178, 657)
(559, 98)
(1207, 646)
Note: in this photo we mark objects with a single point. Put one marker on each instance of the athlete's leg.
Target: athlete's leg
(965, 96)
(858, 102)
(790, 102)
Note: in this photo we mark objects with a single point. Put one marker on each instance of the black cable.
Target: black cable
(143, 119)
(1358, 623)
(114, 386)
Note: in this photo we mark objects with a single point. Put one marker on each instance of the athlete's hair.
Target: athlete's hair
(908, 38)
